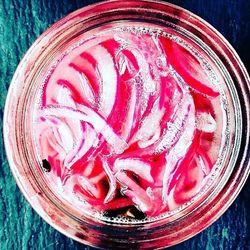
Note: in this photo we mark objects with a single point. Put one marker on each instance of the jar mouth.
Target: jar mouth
(222, 165)
(233, 168)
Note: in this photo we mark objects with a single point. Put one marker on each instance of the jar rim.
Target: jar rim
(25, 179)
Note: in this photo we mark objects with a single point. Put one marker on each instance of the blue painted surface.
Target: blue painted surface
(21, 22)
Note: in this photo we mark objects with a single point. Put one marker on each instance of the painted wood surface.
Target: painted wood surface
(21, 22)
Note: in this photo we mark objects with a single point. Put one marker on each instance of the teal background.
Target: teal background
(21, 22)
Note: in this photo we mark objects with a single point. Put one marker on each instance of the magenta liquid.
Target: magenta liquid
(130, 122)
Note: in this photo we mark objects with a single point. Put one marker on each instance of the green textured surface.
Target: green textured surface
(21, 22)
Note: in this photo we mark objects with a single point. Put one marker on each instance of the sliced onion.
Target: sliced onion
(205, 122)
(112, 182)
(133, 116)
(108, 76)
(188, 67)
(88, 186)
(92, 118)
(137, 166)
(177, 153)
(134, 191)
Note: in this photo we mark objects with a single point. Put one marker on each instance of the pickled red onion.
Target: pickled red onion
(129, 123)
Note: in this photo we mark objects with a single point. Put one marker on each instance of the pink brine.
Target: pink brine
(129, 123)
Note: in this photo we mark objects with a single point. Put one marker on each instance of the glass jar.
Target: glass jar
(167, 229)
